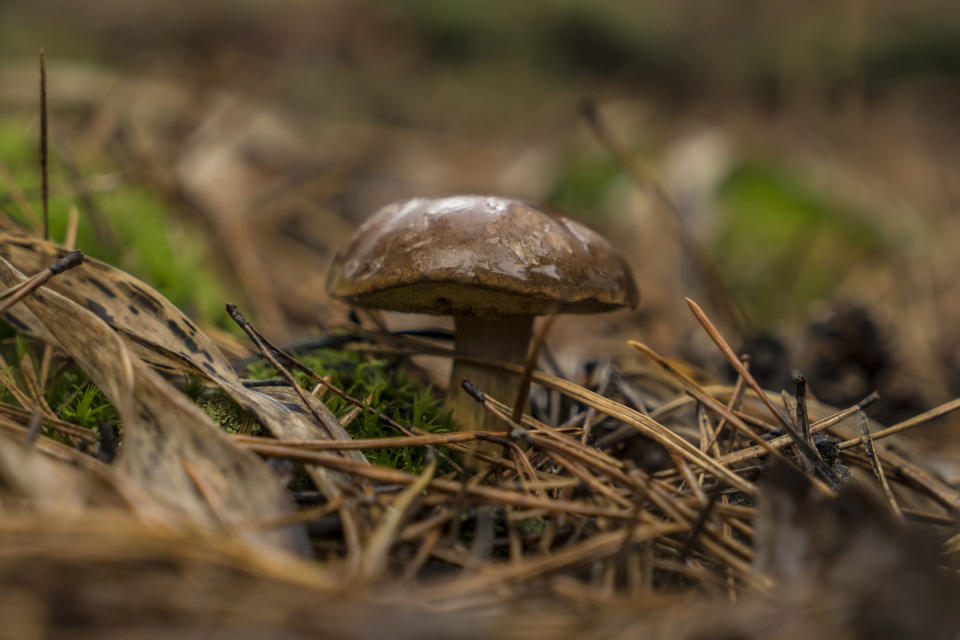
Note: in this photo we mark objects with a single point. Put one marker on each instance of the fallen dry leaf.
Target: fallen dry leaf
(171, 447)
(162, 335)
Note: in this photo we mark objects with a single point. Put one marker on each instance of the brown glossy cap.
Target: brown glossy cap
(479, 256)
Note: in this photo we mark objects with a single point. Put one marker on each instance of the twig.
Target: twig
(265, 350)
(45, 185)
(374, 560)
(17, 292)
(915, 421)
(523, 390)
(732, 404)
(877, 467)
(803, 418)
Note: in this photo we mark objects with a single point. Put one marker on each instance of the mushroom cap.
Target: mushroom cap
(480, 256)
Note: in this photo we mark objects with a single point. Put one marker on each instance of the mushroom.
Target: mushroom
(493, 264)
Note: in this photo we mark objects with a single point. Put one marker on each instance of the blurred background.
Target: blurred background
(808, 153)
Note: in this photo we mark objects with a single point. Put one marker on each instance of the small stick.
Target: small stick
(43, 146)
(803, 418)
(69, 242)
(877, 467)
(18, 292)
(523, 391)
(254, 336)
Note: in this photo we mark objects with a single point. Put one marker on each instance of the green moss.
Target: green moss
(223, 410)
(76, 399)
(387, 388)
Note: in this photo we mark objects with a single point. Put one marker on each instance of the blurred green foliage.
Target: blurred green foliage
(582, 186)
(782, 245)
(148, 242)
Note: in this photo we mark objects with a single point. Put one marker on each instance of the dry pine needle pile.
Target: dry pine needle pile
(768, 515)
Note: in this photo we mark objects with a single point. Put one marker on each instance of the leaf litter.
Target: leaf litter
(583, 531)
(157, 331)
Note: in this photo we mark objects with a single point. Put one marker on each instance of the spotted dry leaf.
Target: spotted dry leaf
(164, 336)
(171, 447)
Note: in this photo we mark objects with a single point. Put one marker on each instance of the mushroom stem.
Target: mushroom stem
(503, 339)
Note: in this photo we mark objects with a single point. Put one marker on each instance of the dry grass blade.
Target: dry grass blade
(395, 476)
(646, 425)
(162, 428)
(375, 558)
(915, 474)
(712, 403)
(44, 144)
(363, 444)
